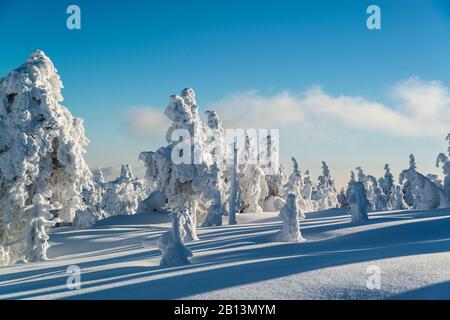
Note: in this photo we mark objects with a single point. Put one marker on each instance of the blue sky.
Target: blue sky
(133, 55)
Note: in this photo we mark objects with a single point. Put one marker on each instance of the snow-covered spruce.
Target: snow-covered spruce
(92, 200)
(252, 180)
(290, 214)
(308, 189)
(326, 194)
(173, 169)
(387, 185)
(123, 195)
(294, 185)
(171, 244)
(253, 188)
(445, 161)
(342, 199)
(275, 174)
(419, 191)
(41, 158)
(378, 200)
(396, 201)
(357, 200)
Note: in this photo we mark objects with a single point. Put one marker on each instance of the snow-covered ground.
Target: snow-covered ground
(119, 260)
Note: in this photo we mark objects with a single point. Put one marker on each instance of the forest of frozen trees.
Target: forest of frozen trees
(200, 177)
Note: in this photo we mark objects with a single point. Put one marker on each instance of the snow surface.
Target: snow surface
(119, 259)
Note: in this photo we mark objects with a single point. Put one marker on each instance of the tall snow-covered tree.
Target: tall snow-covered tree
(41, 158)
(290, 214)
(181, 169)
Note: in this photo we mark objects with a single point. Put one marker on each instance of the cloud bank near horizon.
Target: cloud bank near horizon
(419, 108)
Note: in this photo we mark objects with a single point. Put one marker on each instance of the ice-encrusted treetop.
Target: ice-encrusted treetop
(34, 76)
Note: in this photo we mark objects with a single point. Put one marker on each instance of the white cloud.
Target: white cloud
(145, 122)
(420, 108)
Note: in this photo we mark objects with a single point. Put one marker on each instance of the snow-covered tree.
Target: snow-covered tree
(357, 200)
(368, 182)
(92, 200)
(308, 189)
(41, 220)
(252, 180)
(419, 191)
(326, 194)
(253, 188)
(123, 195)
(214, 195)
(290, 214)
(377, 199)
(445, 161)
(387, 184)
(342, 198)
(275, 173)
(41, 154)
(234, 197)
(396, 201)
(294, 185)
(171, 244)
(183, 168)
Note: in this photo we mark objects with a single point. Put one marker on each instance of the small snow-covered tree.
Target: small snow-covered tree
(290, 214)
(342, 199)
(252, 180)
(369, 186)
(92, 199)
(396, 201)
(307, 186)
(253, 188)
(123, 195)
(326, 194)
(445, 161)
(387, 184)
(275, 179)
(294, 185)
(171, 244)
(41, 153)
(379, 201)
(357, 200)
